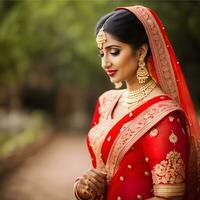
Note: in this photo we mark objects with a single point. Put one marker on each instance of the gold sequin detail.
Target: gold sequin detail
(183, 131)
(139, 196)
(121, 178)
(173, 138)
(130, 114)
(129, 166)
(171, 170)
(109, 138)
(171, 118)
(146, 159)
(154, 132)
(146, 173)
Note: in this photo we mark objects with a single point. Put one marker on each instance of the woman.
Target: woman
(140, 136)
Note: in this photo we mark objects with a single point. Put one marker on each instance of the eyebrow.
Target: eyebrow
(111, 46)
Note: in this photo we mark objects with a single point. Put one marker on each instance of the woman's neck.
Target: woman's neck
(134, 84)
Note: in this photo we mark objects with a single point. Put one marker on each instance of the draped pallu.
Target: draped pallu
(142, 152)
(153, 150)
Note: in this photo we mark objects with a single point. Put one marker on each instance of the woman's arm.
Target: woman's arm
(166, 147)
(158, 198)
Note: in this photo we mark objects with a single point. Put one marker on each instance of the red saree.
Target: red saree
(142, 153)
(145, 153)
(166, 69)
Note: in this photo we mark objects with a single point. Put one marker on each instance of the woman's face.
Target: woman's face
(118, 60)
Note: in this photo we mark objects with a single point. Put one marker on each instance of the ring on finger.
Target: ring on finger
(88, 189)
(85, 192)
(87, 185)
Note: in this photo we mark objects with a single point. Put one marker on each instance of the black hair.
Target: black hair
(125, 27)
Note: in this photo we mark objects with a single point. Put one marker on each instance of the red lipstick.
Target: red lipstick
(111, 72)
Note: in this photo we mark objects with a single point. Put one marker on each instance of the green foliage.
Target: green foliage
(34, 128)
(56, 38)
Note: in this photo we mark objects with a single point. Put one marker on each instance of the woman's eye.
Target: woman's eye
(114, 52)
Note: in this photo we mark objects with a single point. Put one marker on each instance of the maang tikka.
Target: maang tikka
(101, 38)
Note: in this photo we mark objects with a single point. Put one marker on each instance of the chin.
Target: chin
(114, 80)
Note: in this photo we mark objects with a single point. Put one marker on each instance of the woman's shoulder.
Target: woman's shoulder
(159, 94)
(170, 128)
(110, 94)
(155, 93)
(176, 116)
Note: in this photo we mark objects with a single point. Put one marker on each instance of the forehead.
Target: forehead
(111, 40)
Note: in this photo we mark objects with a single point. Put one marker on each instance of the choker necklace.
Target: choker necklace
(138, 95)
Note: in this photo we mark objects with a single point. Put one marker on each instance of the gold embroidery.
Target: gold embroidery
(171, 118)
(125, 126)
(172, 190)
(171, 170)
(99, 132)
(183, 131)
(139, 197)
(129, 166)
(109, 138)
(130, 114)
(97, 136)
(134, 130)
(106, 103)
(173, 138)
(154, 132)
(146, 173)
(159, 51)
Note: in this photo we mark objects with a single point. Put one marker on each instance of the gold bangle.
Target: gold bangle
(169, 190)
(75, 191)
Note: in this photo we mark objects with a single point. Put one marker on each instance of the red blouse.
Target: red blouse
(155, 165)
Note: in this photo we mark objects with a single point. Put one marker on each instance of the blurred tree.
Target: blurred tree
(45, 45)
(182, 19)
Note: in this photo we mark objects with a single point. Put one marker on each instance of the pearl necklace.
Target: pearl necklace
(138, 95)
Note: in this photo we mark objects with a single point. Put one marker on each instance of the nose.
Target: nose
(105, 63)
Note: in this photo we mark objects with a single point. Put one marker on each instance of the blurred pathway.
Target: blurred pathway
(49, 174)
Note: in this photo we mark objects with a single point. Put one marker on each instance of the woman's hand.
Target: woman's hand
(91, 184)
(159, 198)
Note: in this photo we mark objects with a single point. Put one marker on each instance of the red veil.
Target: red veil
(165, 68)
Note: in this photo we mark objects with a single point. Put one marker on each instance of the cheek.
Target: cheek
(129, 63)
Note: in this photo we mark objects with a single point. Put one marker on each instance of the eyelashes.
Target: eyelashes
(113, 52)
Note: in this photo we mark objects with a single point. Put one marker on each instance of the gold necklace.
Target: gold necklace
(132, 97)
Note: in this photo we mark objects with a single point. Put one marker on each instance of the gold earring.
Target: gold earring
(118, 85)
(142, 72)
